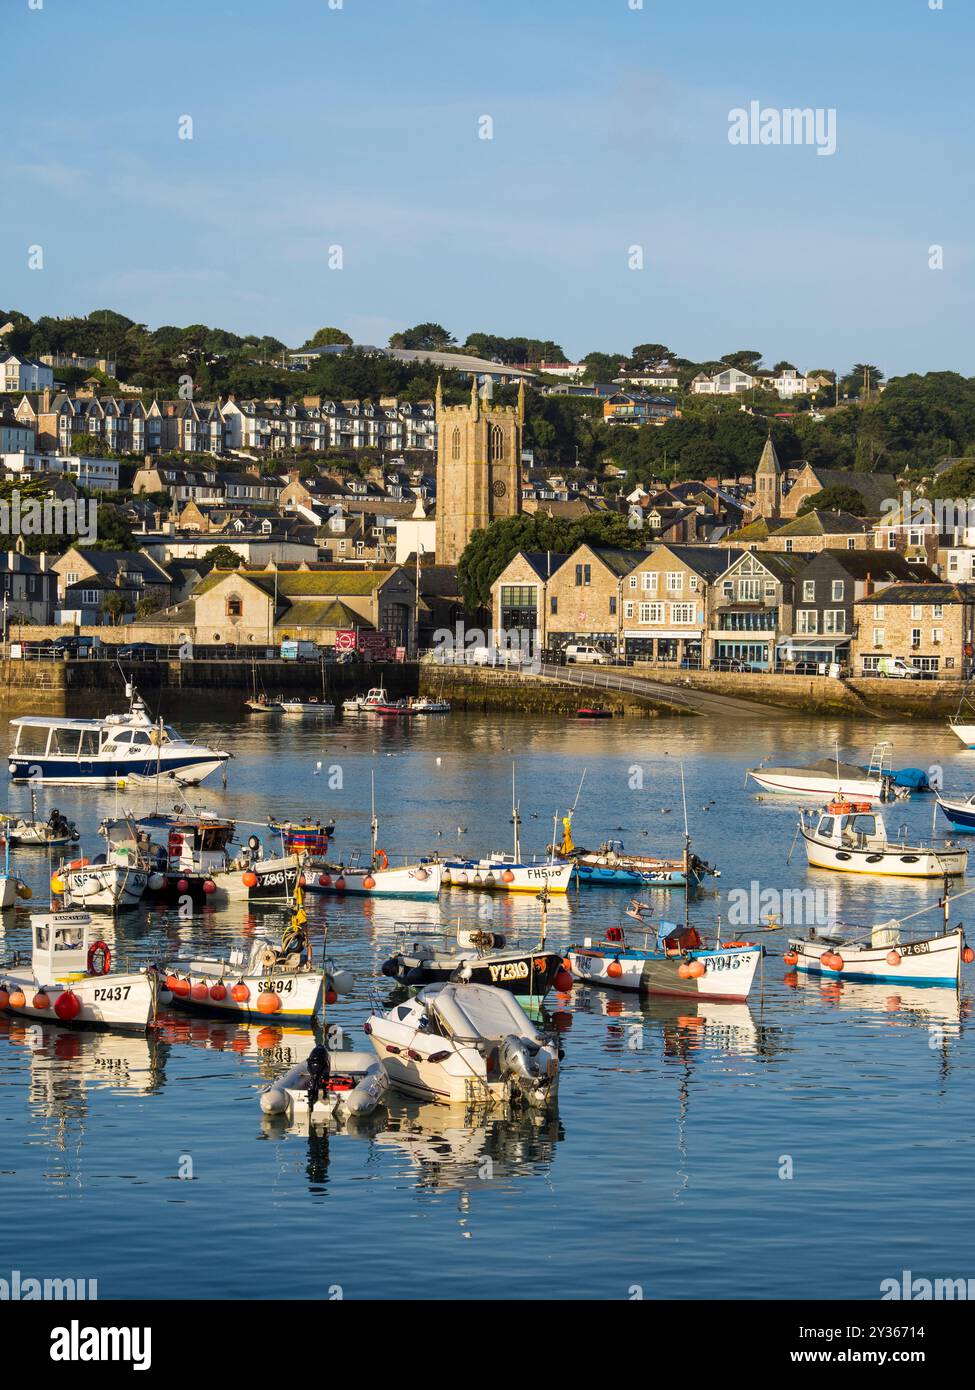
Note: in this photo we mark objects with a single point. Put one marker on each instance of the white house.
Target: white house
(19, 373)
(100, 475)
(730, 382)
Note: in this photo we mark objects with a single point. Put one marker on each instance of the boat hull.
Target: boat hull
(106, 886)
(298, 993)
(797, 782)
(113, 772)
(497, 876)
(123, 1001)
(419, 881)
(525, 974)
(965, 732)
(276, 881)
(936, 961)
(960, 814)
(904, 861)
(596, 875)
(728, 972)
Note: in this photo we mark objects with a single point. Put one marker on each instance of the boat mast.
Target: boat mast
(374, 823)
(515, 817)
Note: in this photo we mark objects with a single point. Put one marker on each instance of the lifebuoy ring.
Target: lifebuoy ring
(96, 948)
(78, 864)
(382, 860)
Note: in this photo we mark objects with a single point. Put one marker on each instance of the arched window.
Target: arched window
(497, 443)
(455, 443)
(235, 606)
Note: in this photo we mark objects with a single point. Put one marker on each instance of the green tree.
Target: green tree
(424, 337)
(837, 498)
(114, 605)
(222, 557)
(329, 337)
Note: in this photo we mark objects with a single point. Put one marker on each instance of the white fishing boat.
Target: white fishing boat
(327, 1086)
(68, 978)
(880, 953)
(678, 964)
(421, 880)
(115, 879)
(851, 837)
(107, 752)
(465, 1043)
(26, 832)
(427, 704)
(831, 778)
(257, 981)
(353, 705)
(11, 887)
(510, 873)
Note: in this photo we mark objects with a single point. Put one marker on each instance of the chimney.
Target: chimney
(46, 399)
(868, 585)
(42, 559)
(11, 560)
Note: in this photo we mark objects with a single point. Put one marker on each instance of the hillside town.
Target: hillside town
(236, 524)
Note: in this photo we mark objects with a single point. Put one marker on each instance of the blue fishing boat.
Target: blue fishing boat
(960, 812)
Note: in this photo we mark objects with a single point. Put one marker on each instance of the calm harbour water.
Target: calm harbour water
(662, 1166)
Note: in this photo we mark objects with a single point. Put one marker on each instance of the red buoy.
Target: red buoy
(324, 880)
(218, 992)
(340, 884)
(240, 993)
(330, 995)
(563, 981)
(200, 991)
(67, 1006)
(183, 885)
(968, 955)
(4, 998)
(209, 886)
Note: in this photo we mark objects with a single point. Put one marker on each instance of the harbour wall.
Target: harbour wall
(873, 697)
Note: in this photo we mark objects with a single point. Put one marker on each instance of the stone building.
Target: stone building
(768, 482)
(478, 467)
(929, 626)
(752, 607)
(665, 602)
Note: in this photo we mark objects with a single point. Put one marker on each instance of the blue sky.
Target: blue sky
(358, 127)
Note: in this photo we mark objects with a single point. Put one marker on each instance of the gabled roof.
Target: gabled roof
(874, 488)
(702, 559)
(819, 523)
(543, 562)
(618, 560)
(923, 594)
(879, 565)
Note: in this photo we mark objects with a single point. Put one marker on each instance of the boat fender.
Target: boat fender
(98, 952)
(274, 1101)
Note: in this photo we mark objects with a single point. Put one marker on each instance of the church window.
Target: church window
(455, 443)
(497, 443)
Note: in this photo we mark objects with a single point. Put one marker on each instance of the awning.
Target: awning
(818, 644)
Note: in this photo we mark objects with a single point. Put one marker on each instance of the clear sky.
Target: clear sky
(358, 127)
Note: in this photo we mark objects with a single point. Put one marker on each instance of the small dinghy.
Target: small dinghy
(261, 704)
(325, 1086)
(257, 981)
(593, 712)
(466, 1043)
(480, 958)
(69, 978)
(851, 837)
(678, 964)
(25, 832)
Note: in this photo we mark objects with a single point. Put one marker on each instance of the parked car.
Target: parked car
(139, 651)
(731, 663)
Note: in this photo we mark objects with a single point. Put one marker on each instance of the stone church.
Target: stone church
(478, 467)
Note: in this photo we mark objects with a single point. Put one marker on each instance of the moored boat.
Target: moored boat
(851, 837)
(107, 752)
(69, 978)
(478, 957)
(26, 832)
(679, 963)
(302, 707)
(465, 1043)
(880, 954)
(327, 1085)
(959, 811)
(831, 778)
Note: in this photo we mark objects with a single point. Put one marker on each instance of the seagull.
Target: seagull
(665, 810)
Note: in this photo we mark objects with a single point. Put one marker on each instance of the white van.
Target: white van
(896, 668)
(585, 655)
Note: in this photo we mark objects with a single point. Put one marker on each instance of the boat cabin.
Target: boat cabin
(80, 739)
(852, 824)
(60, 945)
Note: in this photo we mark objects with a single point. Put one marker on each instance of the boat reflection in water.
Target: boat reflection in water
(685, 1025)
(66, 1064)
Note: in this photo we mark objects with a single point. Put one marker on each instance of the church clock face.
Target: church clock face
(498, 488)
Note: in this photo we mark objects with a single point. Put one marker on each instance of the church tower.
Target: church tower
(478, 467)
(768, 482)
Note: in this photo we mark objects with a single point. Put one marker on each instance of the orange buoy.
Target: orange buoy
(893, 957)
(968, 955)
(67, 1006)
(838, 961)
(368, 881)
(790, 958)
(825, 960)
(268, 1001)
(614, 970)
(682, 970)
(696, 969)
(218, 992)
(42, 1000)
(249, 879)
(171, 982)
(240, 993)
(340, 884)
(17, 998)
(507, 876)
(200, 991)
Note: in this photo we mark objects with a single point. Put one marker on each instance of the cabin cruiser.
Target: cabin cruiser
(107, 752)
(851, 836)
(69, 978)
(479, 957)
(465, 1043)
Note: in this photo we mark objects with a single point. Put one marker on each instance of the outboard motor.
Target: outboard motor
(515, 1057)
(319, 1070)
